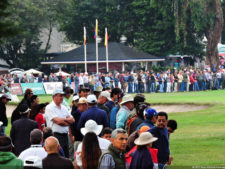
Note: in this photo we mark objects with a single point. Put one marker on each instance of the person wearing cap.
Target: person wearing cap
(83, 92)
(114, 158)
(53, 159)
(59, 118)
(3, 101)
(36, 149)
(114, 98)
(150, 118)
(75, 100)
(76, 113)
(162, 144)
(97, 91)
(67, 93)
(102, 99)
(127, 105)
(26, 100)
(92, 126)
(20, 131)
(8, 159)
(93, 113)
(142, 157)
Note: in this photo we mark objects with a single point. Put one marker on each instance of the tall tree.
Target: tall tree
(6, 27)
(207, 17)
(23, 50)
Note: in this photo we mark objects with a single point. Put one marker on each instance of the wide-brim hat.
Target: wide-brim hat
(91, 126)
(98, 89)
(82, 100)
(127, 98)
(144, 139)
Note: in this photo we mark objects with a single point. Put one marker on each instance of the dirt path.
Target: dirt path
(165, 108)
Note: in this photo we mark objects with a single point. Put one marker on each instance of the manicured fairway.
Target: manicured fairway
(200, 138)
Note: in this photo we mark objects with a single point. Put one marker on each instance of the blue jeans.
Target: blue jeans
(161, 86)
(135, 87)
(196, 87)
(130, 87)
(76, 88)
(162, 166)
(153, 87)
(2, 132)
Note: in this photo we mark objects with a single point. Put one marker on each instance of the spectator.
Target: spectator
(106, 133)
(114, 98)
(171, 126)
(93, 113)
(90, 153)
(142, 157)
(83, 92)
(127, 105)
(21, 129)
(162, 144)
(76, 113)
(58, 117)
(53, 160)
(47, 132)
(92, 126)
(102, 99)
(114, 158)
(67, 93)
(3, 101)
(36, 149)
(97, 91)
(150, 118)
(8, 159)
(34, 100)
(26, 100)
(39, 117)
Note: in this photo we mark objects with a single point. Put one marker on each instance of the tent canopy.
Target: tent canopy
(33, 71)
(62, 73)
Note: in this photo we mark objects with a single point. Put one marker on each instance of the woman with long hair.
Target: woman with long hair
(90, 153)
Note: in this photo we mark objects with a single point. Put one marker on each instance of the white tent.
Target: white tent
(33, 71)
(62, 73)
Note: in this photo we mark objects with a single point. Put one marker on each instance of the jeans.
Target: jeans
(153, 87)
(161, 86)
(2, 131)
(162, 166)
(196, 87)
(130, 87)
(76, 87)
(135, 87)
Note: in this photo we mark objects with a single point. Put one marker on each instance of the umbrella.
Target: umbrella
(33, 71)
(62, 73)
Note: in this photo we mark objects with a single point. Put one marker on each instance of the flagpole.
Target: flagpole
(107, 52)
(96, 45)
(85, 51)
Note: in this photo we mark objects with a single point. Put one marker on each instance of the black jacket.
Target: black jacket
(3, 116)
(55, 161)
(20, 134)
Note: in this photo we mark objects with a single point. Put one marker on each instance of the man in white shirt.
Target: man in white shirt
(36, 149)
(59, 118)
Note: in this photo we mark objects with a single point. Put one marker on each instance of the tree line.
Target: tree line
(158, 27)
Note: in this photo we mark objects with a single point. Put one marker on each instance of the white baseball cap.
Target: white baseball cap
(91, 99)
(105, 94)
(57, 91)
(75, 98)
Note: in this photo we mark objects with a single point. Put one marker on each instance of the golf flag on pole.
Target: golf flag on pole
(106, 38)
(85, 38)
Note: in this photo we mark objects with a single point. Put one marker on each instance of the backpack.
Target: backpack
(113, 114)
(129, 121)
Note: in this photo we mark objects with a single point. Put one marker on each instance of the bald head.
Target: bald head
(51, 145)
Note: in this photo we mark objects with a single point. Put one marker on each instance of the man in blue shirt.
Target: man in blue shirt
(93, 113)
(162, 144)
(150, 118)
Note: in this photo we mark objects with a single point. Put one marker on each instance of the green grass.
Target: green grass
(200, 137)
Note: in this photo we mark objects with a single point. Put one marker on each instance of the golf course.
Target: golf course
(200, 137)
